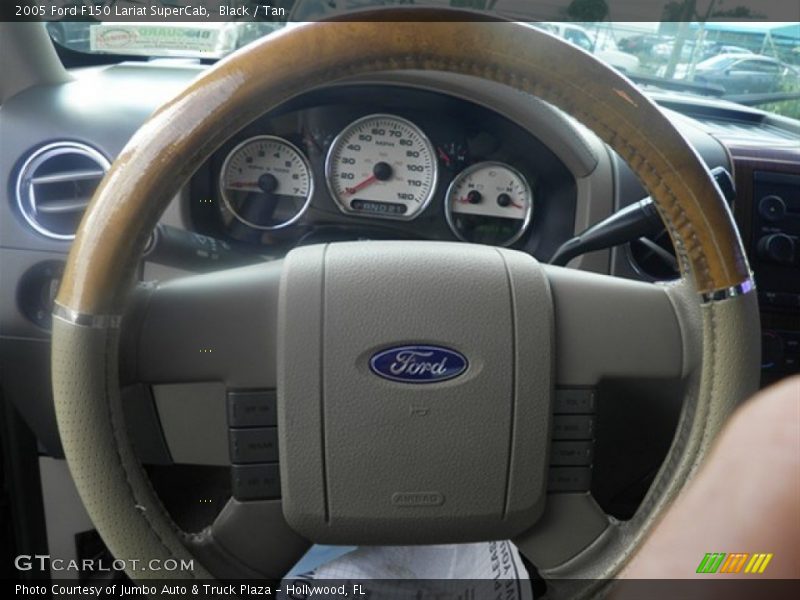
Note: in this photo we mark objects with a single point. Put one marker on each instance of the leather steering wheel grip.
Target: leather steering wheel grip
(181, 135)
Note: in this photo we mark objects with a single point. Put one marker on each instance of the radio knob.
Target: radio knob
(777, 247)
(772, 208)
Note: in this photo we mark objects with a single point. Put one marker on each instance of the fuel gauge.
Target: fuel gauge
(489, 203)
(453, 155)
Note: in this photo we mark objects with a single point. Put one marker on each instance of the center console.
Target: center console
(768, 212)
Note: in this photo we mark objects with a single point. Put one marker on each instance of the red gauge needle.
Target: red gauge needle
(368, 181)
(505, 200)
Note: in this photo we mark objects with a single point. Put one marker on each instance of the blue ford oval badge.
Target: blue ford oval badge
(418, 364)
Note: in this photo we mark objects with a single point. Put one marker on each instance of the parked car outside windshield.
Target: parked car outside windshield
(734, 58)
(744, 73)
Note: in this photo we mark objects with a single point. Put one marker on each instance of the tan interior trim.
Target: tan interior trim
(29, 58)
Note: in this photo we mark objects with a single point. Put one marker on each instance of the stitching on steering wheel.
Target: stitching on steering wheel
(111, 345)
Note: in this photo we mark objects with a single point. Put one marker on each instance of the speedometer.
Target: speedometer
(266, 182)
(382, 166)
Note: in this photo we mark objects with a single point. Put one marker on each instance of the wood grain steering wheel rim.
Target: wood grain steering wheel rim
(182, 134)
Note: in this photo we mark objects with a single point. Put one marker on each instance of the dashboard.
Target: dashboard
(384, 162)
(400, 156)
(403, 156)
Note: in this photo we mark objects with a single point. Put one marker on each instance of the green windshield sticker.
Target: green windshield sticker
(148, 38)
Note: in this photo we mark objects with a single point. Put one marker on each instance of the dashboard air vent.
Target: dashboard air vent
(55, 184)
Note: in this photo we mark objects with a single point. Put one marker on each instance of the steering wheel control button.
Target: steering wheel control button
(255, 482)
(254, 445)
(569, 479)
(570, 459)
(252, 409)
(573, 427)
(574, 402)
(572, 454)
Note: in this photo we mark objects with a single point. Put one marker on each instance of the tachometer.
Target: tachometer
(266, 182)
(489, 203)
(382, 166)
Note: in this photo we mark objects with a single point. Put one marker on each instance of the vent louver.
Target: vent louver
(56, 183)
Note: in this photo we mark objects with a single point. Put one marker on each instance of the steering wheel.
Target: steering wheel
(364, 459)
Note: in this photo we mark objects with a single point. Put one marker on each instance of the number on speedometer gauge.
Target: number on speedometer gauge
(382, 166)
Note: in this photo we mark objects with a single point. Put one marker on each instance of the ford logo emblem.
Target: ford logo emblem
(418, 364)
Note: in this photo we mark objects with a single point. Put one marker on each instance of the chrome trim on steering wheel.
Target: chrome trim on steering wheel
(747, 286)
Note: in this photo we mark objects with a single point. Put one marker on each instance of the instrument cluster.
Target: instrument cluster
(401, 163)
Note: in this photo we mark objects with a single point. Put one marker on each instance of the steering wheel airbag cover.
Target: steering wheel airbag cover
(405, 463)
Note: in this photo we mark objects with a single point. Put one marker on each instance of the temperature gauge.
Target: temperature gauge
(489, 203)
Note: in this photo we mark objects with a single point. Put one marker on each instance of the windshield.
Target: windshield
(743, 60)
(717, 62)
